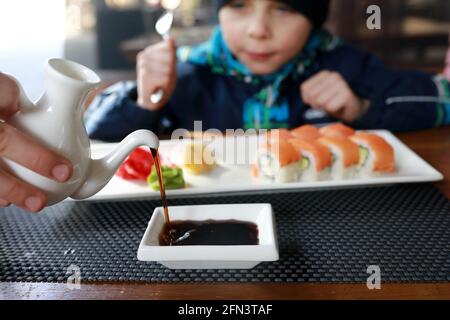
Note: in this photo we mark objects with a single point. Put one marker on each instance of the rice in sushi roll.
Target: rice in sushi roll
(337, 130)
(315, 159)
(376, 154)
(345, 156)
(277, 161)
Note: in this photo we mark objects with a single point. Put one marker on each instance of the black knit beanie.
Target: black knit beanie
(315, 10)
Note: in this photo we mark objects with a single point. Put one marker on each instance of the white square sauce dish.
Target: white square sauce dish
(212, 256)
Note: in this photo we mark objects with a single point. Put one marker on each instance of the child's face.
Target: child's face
(263, 34)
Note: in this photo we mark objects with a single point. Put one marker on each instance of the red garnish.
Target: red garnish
(137, 166)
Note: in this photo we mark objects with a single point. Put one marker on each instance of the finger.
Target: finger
(140, 71)
(329, 94)
(149, 80)
(16, 146)
(157, 82)
(152, 72)
(313, 81)
(161, 53)
(336, 105)
(348, 114)
(317, 78)
(20, 194)
(159, 69)
(172, 43)
(145, 87)
(142, 93)
(4, 203)
(173, 52)
(324, 85)
(162, 50)
(354, 109)
(159, 58)
(9, 97)
(156, 76)
(168, 44)
(148, 87)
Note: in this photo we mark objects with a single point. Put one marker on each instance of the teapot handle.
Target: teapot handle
(101, 171)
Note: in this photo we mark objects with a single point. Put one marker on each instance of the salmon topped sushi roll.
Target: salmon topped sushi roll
(277, 135)
(306, 132)
(337, 130)
(315, 159)
(376, 154)
(345, 156)
(277, 161)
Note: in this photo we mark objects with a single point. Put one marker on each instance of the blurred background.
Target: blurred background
(106, 35)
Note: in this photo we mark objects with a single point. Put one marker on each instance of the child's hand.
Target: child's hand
(329, 92)
(156, 69)
(16, 146)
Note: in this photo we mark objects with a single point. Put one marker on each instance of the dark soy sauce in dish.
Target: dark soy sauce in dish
(209, 232)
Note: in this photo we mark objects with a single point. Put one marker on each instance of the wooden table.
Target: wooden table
(432, 145)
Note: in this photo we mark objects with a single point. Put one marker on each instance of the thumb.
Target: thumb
(173, 46)
(172, 42)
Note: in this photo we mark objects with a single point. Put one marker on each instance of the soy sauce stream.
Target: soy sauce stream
(162, 190)
(180, 232)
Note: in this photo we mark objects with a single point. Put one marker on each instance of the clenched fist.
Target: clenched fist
(329, 92)
(156, 70)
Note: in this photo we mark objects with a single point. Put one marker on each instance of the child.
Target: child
(447, 64)
(268, 64)
(17, 147)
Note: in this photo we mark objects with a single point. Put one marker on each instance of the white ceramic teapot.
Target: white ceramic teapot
(55, 121)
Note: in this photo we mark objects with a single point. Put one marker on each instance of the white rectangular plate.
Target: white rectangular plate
(231, 178)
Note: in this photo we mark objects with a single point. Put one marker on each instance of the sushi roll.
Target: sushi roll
(376, 154)
(277, 162)
(315, 159)
(276, 135)
(337, 130)
(306, 132)
(344, 154)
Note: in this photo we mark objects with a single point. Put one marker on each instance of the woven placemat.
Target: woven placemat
(324, 236)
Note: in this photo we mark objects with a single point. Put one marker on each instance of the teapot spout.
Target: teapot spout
(101, 171)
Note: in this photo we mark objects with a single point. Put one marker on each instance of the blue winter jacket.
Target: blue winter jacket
(217, 100)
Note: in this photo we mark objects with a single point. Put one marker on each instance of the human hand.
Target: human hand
(156, 70)
(18, 147)
(329, 92)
